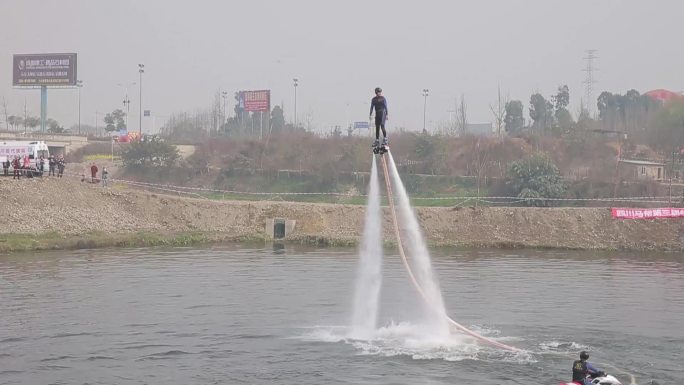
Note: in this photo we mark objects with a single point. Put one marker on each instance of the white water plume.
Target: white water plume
(369, 275)
(419, 257)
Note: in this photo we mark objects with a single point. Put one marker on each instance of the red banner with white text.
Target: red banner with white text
(631, 213)
(256, 101)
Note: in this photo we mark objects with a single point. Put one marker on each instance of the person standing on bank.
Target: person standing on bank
(93, 173)
(379, 103)
(61, 164)
(52, 162)
(105, 176)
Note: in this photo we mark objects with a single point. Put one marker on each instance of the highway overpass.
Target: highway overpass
(57, 143)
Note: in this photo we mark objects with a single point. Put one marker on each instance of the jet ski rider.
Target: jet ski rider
(581, 368)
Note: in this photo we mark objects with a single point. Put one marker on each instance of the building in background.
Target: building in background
(642, 170)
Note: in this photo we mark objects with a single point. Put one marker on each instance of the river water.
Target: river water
(239, 315)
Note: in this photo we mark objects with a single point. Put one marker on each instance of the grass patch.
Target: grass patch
(54, 241)
(94, 157)
(416, 200)
(324, 241)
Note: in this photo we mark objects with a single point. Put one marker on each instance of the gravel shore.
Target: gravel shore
(70, 208)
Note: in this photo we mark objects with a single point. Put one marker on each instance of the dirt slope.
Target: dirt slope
(69, 207)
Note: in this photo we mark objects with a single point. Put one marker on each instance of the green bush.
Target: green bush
(152, 152)
(535, 177)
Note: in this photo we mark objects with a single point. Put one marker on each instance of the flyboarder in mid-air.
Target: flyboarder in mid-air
(379, 103)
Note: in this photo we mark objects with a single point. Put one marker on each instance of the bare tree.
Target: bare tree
(32, 122)
(15, 121)
(309, 121)
(444, 128)
(499, 112)
(216, 112)
(479, 162)
(453, 124)
(462, 116)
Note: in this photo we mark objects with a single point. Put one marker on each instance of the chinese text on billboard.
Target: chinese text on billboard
(44, 69)
(256, 101)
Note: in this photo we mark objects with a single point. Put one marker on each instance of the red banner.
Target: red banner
(256, 101)
(630, 213)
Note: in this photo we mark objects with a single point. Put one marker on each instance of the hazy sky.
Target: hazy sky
(340, 51)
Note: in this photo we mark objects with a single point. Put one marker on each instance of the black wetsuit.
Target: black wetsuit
(380, 104)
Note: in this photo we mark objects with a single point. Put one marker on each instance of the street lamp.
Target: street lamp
(126, 101)
(425, 95)
(296, 83)
(141, 70)
(79, 84)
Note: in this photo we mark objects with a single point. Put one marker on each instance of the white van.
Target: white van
(34, 149)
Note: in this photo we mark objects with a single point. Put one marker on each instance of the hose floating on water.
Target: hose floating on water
(412, 276)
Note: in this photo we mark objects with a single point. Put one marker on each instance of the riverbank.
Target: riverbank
(52, 213)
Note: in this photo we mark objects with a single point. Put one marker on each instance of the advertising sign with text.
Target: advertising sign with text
(631, 213)
(51, 69)
(256, 101)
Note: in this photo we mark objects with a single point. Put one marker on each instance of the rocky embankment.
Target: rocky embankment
(68, 209)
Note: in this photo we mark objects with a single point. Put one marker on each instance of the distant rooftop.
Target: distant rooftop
(664, 95)
(641, 162)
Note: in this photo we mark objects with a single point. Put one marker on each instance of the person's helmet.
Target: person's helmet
(584, 355)
(378, 90)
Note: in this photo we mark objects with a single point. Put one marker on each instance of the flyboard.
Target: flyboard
(380, 148)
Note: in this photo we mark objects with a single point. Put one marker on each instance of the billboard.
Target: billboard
(255, 101)
(49, 69)
(361, 125)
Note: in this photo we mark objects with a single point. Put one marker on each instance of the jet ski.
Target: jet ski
(604, 379)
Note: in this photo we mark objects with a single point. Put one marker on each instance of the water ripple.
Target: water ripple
(12, 339)
(147, 346)
(59, 358)
(97, 358)
(164, 355)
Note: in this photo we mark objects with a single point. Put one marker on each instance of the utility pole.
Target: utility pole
(43, 108)
(141, 71)
(296, 83)
(224, 95)
(126, 101)
(25, 115)
(669, 199)
(79, 84)
(127, 106)
(425, 95)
